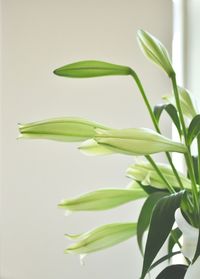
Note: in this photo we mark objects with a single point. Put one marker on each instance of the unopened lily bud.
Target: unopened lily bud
(102, 199)
(146, 175)
(187, 102)
(101, 238)
(67, 129)
(155, 51)
(136, 141)
(91, 68)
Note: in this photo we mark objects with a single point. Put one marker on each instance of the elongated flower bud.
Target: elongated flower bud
(146, 174)
(91, 68)
(101, 238)
(155, 51)
(136, 141)
(67, 129)
(102, 199)
(187, 102)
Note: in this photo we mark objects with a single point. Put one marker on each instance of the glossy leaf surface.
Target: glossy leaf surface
(173, 272)
(161, 224)
(145, 215)
(194, 128)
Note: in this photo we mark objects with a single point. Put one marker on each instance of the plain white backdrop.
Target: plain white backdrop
(37, 37)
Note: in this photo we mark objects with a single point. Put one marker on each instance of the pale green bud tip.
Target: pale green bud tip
(101, 238)
(69, 129)
(92, 148)
(91, 68)
(155, 51)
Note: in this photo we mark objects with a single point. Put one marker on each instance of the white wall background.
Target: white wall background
(39, 36)
(192, 46)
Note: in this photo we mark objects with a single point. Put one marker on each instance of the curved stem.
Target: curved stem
(178, 104)
(151, 161)
(139, 84)
(174, 170)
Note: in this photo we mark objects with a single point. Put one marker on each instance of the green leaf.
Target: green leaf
(161, 224)
(172, 112)
(101, 238)
(150, 190)
(196, 168)
(145, 215)
(91, 68)
(197, 252)
(174, 237)
(102, 199)
(194, 129)
(164, 258)
(173, 272)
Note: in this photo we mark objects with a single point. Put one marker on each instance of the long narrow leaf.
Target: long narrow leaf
(194, 128)
(161, 224)
(172, 112)
(145, 215)
(196, 167)
(174, 237)
(164, 258)
(197, 252)
(176, 271)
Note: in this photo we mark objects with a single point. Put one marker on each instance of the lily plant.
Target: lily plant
(171, 209)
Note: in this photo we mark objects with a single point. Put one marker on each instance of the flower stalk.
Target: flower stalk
(146, 101)
(188, 156)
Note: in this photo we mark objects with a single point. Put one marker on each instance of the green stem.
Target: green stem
(178, 104)
(188, 156)
(151, 161)
(198, 146)
(140, 87)
(153, 118)
(174, 170)
(189, 163)
(176, 240)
